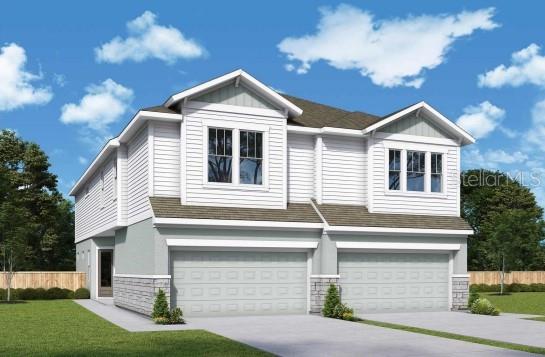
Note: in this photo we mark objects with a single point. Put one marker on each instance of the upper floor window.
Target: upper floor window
(251, 157)
(394, 170)
(436, 172)
(220, 155)
(416, 170)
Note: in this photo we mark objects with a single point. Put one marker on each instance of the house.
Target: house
(238, 200)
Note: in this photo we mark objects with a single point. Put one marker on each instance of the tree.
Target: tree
(332, 299)
(513, 235)
(506, 218)
(36, 222)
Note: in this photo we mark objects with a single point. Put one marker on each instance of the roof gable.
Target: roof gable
(432, 115)
(418, 124)
(233, 94)
(237, 77)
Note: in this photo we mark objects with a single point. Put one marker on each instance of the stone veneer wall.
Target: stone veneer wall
(460, 292)
(318, 290)
(138, 293)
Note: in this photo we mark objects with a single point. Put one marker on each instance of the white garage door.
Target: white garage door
(239, 283)
(394, 282)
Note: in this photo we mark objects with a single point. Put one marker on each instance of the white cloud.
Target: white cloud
(527, 67)
(393, 52)
(147, 40)
(59, 79)
(491, 159)
(480, 120)
(16, 88)
(103, 104)
(535, 137)
(82, 160)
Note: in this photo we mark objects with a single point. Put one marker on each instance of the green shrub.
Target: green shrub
(343, 312)
(513, 288)
(482, 306)
(55, 293)
(39, 293)
(332, 299)
(176, 316)
(82, 293)
(160, 306)
(161, 320)
(473, 296)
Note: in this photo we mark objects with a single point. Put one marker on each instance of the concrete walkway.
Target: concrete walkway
(304, 335)
(506, 327)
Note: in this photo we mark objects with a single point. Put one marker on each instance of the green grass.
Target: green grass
(63, 328)
(453, 336)
(519, 303)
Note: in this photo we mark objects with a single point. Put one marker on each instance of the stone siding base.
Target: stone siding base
(460, 292)
(138, 293)
(318, 290)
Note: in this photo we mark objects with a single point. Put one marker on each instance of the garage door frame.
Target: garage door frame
(246, 246)
(450, 254)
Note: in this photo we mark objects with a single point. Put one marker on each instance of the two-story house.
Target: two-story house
(237, 200)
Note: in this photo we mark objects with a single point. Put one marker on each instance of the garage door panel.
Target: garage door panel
(388, 282)
(239, 283)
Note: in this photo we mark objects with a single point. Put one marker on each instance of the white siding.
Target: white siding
(166, 160)
(232, 95)
(96, 211)
(300, 167)
(414, 203)
(138, 207)
(197, 190)
(122, 184)
(412, 124)
(344, 167)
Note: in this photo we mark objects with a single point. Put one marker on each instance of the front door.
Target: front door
(105, 272)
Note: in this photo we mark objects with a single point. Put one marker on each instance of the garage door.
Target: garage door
(239, 283)
(394, 282)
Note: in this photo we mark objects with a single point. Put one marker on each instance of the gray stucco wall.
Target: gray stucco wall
(135, 249)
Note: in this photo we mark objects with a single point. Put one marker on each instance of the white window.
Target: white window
(394, 170)
(251, 157)
(416, 170)
(220, 155)
(436, 172)
(235, 156)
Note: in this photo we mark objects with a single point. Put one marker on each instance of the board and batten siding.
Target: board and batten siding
(166, 159)
(96, 206)
(197, 192)
(344, 170)
(414, 203)
(300, 167)
(138, 207)
(233, 95)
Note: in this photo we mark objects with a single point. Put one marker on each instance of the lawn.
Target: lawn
(62, 327)
(520, 303)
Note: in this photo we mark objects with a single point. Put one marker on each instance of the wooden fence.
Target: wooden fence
(520, 277)
(45, 279)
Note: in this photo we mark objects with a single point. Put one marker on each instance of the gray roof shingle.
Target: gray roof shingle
(170, 207)
(359, 216)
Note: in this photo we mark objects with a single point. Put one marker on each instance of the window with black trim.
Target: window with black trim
(416, 170)
(436, 172)
(394, 170)
(220, 155)
(251, 157)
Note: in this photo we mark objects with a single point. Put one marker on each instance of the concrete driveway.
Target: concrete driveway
(305, 335)
(506, 327)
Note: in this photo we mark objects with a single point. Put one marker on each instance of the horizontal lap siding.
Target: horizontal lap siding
(197, 194)
(391, 203)
(344, 166)
(138, 207)
(97, 211)
(300, 167)
(166, 161)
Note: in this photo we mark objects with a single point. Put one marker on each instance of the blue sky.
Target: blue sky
(72, 74)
